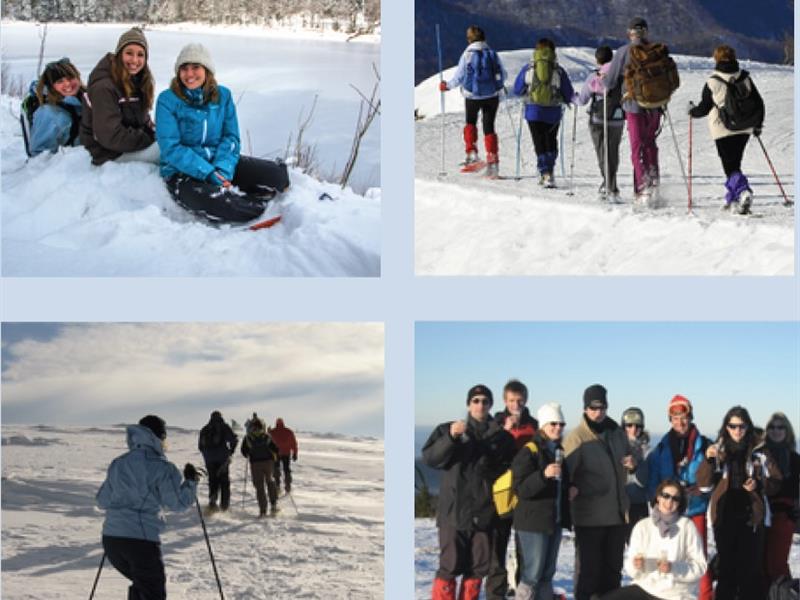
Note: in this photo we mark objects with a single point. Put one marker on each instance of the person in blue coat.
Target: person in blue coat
(198, 135)
(546, 87)
(137, 486)
(57, 119)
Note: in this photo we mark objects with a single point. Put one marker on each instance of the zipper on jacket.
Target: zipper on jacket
(205, 130)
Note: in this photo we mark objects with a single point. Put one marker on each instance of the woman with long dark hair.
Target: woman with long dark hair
(58, 96)
(116, 123)
(742, 472)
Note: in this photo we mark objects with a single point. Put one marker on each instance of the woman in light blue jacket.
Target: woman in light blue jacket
(56, 120)
(198, 135)
(138, 485)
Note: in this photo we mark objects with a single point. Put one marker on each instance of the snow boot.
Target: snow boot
(470, 139)
(444, 589)
(547, 180)
(492, 158)
(470, 588)
(274, 510)
(745, 201)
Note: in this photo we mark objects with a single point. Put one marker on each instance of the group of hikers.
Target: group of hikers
(630, 86)
(604, 481)
(141, 482)
(195, 137)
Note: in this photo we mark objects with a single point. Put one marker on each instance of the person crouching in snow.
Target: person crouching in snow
(198, 135)
(593, 90)
(546, 87)
(730, 143)
(481, 76)
(471, 454)
(138, 484)
(57, 118)
(115, 120)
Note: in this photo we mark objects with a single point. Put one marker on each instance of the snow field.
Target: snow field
(525, 230)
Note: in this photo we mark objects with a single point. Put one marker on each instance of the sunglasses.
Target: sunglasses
(667, 496)
(627, 425)
(481, 400)
(739, 426)
(776, 427)
(596, 408)
(557, 424)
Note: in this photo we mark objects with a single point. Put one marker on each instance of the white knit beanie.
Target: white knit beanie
(550, 413)
(195, 53)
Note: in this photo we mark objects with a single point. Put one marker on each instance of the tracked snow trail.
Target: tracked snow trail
(332, 549)
(468, 225)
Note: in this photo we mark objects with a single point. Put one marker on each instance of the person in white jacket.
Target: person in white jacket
(665, 557)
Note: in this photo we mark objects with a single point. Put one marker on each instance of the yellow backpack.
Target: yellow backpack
(505, 499)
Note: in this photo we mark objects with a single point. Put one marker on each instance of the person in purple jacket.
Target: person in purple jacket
(643, 123)
(546, 87)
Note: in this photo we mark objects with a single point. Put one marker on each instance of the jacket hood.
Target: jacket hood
(727, 67)
(478, 46)
(102, 70)
(140, 436)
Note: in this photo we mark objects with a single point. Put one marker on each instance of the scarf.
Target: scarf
(667, 524)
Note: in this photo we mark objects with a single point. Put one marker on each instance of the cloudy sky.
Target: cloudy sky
(324, 377)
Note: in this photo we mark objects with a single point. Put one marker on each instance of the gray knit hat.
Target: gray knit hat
(132, 36)
(195, 53)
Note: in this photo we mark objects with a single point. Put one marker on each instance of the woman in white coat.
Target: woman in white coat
(665, 557)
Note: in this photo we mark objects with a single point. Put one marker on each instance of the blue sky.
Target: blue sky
(715, 365)
(325, 377)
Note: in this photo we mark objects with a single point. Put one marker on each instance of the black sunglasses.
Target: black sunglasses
(667, 496)
(741, 426)
(774, 427)
(484, 401)
(633, 425)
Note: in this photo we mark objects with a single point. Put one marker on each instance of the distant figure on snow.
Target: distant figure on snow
(730, 136)
(137, 486)
(262, 452)
(54, 102)
(287, 448)
(198, 134)
(217, 442)
(116, 123)
(546, 87)
(481, 76)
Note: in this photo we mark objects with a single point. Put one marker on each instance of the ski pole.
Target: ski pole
(561, 145)
(605, 143)
(208, 543)
(519, 139)
(293, 503)
(441, 94)
(677, 149)
(786, 201)
(572, 152)
(97, 577)
(690, 164)
(244, 484)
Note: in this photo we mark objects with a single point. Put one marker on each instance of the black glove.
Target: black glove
(190, 473)
(294, 457)
(757, 130)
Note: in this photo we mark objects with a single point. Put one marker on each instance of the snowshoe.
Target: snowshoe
(492, 171)
(548, 181)
(746, 200)
(615, 198)
(473, 167)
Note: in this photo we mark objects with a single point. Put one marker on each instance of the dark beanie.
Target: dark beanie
(594, 393)
(155, 424)
(132, 36)
(480, 390)
(637, 23)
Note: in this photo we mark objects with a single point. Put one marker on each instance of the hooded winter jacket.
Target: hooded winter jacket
(459, 78)
(713, 96)
(470, 463)
(216, 441)
(595, 465)
(197, 137)
(284, 439)
(138, 484)
(111, 123)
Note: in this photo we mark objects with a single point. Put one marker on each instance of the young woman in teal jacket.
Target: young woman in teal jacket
(198, 135)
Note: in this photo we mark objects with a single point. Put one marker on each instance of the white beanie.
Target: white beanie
(195, 53)
(550, 413)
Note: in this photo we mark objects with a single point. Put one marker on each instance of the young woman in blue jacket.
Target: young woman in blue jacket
(56, 122)
(198, 135)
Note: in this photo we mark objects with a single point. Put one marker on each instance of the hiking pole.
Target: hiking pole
(519, 139)
(208, 543)
(97, 577)
(511, 120)
(561, 145)
(441, 95)
(605, 144)
(690, 164)
(293, 503)
(677, 149)
(571, 191)
(786, 201)
(244, 484)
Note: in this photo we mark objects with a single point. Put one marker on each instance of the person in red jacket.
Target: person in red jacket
(287, 448)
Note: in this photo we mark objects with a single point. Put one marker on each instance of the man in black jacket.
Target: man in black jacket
(217, 442)
(472, 454)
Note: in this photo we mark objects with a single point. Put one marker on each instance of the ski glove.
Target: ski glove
(294, 457)
(442, 86)
(190, 473)
(689, 108)
(757, 131)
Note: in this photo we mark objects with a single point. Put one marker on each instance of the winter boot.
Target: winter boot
(470, 588)
(470, 139)
(444, 589)
(745, 201)
(492, 158)
(548, 180)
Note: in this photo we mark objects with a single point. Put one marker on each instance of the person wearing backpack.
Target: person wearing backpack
(262, 452)
(592, 92)
(198, 134)
(286, 441)
(546, 88)
(481, 76)
(115, 120)
(541, 482)
(51, 112)
(648, 77)
(472, 453)
(731, 122)
(217, 442)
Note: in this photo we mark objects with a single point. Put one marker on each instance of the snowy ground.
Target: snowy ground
(63, 217)
(467, 225)
(427, 556)
(332, 549)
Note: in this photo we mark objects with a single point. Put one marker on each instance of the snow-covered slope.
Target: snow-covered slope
(467, 225)
(332, 549)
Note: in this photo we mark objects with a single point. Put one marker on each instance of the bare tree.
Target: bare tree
(788, 48)
(367, 111)
(301, 154)
(43, 39)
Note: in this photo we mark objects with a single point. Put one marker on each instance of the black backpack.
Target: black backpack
(614, 110)
(743, 107)
(29, 105)
(261, 447)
